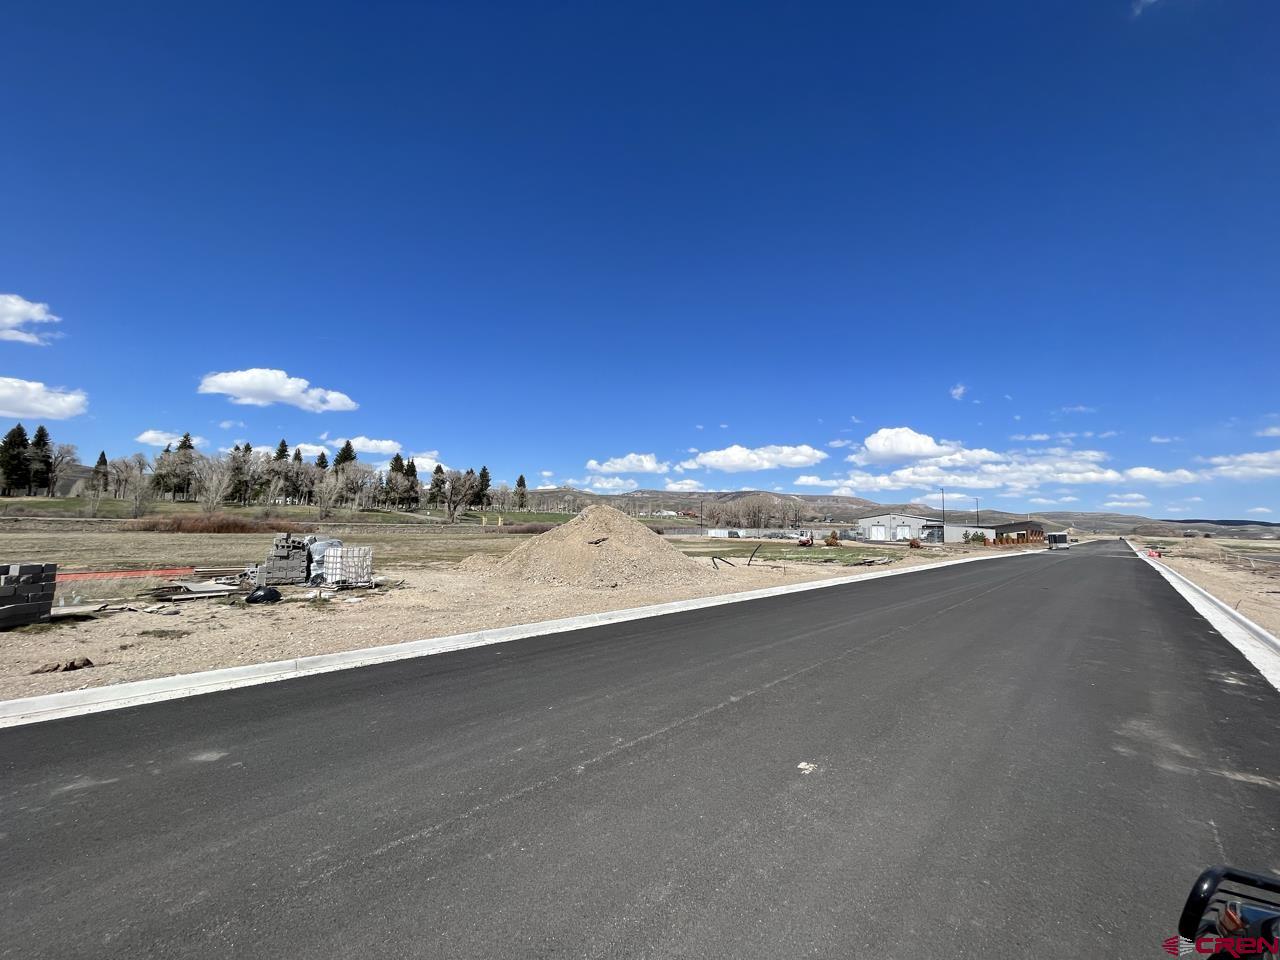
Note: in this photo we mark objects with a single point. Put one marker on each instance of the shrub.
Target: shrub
(214, 523)
(833, 539)
(914, 544)
(523, 528)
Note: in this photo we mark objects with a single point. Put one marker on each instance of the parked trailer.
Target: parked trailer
(1058, 541)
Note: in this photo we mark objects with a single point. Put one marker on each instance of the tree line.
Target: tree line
(247, 476)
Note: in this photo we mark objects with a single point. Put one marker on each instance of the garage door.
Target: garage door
(903, 532)
(878, 532)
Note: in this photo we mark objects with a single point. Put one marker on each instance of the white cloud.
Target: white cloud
(1152, 475)
(31, 398)
(363, 444)
(1127, 501)
(1041, 501)
(311, 449)
(162, 438)
(958, 391)
(839, 443)
(737, 458)
(426, 460)
(17, 315)
(683, 486)
(1068, 499)
(724, 426)
(854, 419)
(1247, 466)
(230, 424)
(260, 387)
(546, 473)
(1268, 432)
(1160, 439)
(1106, 434)
(698, 426)
(611, 484)
(1030, 437)
(810, 480)
(630, 463)
(1138, 6)
(1079, 408)
(541, 486)
(1258, 510)
(898, 443)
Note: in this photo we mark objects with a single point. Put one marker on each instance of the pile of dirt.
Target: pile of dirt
(601, 547)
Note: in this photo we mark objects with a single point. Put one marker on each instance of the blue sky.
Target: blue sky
(1025, 250)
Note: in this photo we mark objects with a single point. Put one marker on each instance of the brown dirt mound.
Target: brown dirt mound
(626, 552)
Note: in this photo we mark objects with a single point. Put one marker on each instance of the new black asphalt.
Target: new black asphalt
(1024, 756)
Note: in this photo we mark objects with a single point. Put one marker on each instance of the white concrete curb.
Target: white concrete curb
(135, 693)
(1259, 646)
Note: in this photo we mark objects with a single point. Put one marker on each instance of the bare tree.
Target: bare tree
(500, 497)
(327, 490)
(120, 470)
(213, 477)
(63, 456)
(459, 489)
(140, 490)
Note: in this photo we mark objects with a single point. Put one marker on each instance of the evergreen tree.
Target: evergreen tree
(186, 443)
(322, 460)
(397, 466)
(346, 455)
(101, 473)
(435, 494)
(13, 461)
(522, 493)
(38, 454)
(297, 455)
(482, 488)
(411, 483)
(282, 451)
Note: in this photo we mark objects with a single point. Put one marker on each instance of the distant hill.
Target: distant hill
(826, 508)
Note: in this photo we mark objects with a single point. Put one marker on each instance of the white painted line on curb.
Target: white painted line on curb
(1259, 646)
(135, 693)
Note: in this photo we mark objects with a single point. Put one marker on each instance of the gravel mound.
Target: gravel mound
(601, 547)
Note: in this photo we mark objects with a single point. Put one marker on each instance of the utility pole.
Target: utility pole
(944, 513)
(977, 517)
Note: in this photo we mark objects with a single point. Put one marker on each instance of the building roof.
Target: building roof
(1018, 525)
(903, 516)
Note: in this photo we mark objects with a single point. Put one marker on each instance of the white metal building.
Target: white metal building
(898, 527)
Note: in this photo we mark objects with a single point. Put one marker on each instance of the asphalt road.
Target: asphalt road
(1029, 756)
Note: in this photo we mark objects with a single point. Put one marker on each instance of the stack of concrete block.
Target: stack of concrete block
(26, 593)
(288, 562)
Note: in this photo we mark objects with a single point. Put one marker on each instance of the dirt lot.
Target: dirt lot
(1223, 568)
(438, 598)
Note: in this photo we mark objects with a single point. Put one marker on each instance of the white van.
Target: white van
(1057, 541)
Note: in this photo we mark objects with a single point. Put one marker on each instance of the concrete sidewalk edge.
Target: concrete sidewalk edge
(1258, 645)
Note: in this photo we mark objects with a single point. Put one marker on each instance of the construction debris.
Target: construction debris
(348, 566)
(289, 561)
(79, 663)
(26, 593)
(264, 595)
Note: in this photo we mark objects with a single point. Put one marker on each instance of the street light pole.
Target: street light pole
(944, 514)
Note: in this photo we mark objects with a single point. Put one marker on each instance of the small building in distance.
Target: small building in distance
(1020, 531)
